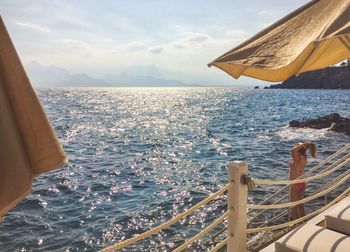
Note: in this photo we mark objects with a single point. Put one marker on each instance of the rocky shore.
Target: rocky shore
(332, 121)
(328, 78)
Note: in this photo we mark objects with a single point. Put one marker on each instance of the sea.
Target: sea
(138, 156)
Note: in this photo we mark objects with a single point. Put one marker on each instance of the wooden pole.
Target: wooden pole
(237, 202)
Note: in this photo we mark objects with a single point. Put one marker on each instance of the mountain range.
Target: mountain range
(54, 76)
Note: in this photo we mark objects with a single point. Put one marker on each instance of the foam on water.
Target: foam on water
(300, 133)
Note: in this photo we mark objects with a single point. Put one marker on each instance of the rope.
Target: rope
(203, 232)
(331, 157)
(165, 224)
(277, 217)
(297, 181)
(286, 211)
(219, 245)
(343, 149)
(337, 153)
(303, 175)
(223, 189)
(290, 204)
(341, 196)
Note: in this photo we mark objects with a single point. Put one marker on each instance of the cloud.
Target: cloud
(134, 46)
(189, 40)
(200, 41)
(66, 24)
(193, 37)
(236, 33)
(33, 27)
(156, 49)
(75, 44)
(177, 45)
(267, 13)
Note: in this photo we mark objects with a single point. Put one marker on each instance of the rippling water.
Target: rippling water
(139, 156)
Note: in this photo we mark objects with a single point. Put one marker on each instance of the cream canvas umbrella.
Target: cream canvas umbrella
(313, 37)
(28, 144)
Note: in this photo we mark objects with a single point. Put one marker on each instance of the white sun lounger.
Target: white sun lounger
(313, 238)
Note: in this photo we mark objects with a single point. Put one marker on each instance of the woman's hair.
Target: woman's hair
(312, 148)
(302, 151)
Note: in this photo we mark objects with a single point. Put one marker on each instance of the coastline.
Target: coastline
(328, 78)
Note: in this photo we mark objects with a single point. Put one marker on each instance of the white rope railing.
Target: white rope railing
(219, 245)
(337, 165)
(235, 188)
(280, 215)
(277, 217)
(328, 159)
(336, 182)
(294, 203)
(331, 157)
(166, 224)
(203, 232)
(297, 181)
(288, 224)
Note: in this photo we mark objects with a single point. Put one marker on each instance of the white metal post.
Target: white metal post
(237, 202)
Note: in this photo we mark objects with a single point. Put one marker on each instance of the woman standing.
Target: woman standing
(297, 165)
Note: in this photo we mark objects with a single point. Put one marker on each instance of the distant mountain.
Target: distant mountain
(46, 75)
(328, 78)
(81, 80)
(125, 79)
(145, 70)
(53, 76)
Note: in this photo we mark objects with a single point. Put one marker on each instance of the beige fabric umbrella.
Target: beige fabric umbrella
(28, 144)
(313, 37)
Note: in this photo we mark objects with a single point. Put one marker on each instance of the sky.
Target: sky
(101, 37)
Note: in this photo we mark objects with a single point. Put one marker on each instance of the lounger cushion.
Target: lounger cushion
(313, 238)
(339, 221)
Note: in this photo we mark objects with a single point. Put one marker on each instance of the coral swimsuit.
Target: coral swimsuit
(300, 186)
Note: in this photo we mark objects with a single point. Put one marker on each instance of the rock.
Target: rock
(321, 122)
(256, 87)
(332, 121)
(342, 127)
(328, 78)
(294, 124)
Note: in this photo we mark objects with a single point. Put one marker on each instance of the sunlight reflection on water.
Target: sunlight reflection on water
(139, 156)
